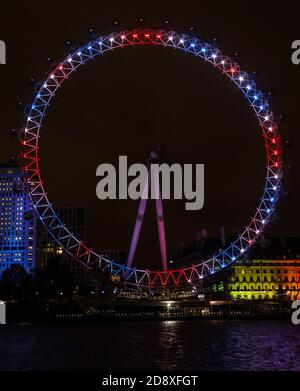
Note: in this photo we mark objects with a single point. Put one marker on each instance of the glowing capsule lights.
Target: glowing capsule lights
(206, 52)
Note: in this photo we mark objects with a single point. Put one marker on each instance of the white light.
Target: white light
(52, 76)
(181, 41)
(214, 56)
(111, 39)
(257, 232)
(233, 258)
(123, 37)
(276, 176)
(270, 129)
(248, 87)
(170, 38)
(70, 59)
(222, 62)
(241, 78)
(274, 188)
(242, 250)
(266, 118)
(263, 221)
(79, 54)
(45, 85)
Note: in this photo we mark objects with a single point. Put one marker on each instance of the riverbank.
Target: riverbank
(74, 311)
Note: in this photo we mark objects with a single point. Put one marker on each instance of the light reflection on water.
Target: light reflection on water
(169, 345)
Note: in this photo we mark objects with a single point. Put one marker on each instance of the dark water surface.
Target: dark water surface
(169, 345)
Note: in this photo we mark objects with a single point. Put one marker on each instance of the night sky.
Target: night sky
(128, 101)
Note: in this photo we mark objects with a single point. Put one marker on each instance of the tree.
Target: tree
(55, 279)
(16, 283)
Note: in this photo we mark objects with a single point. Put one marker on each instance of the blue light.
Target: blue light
(255, 97)
(203, 50)
(272, 199)
(192, 45)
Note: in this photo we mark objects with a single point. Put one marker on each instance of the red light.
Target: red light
(158, 36)
(134, 35)
(147, 35)
(232, 70)
(273, 140)
(276, 164)
(275, 152)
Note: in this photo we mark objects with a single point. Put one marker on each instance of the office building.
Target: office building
(17, 221)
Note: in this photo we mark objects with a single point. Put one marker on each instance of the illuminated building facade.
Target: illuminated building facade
(265, 279)
(17, 222)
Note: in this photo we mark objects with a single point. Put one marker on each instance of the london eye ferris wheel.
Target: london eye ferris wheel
(207, 52)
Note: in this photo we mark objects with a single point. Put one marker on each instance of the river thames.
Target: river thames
(169, 345)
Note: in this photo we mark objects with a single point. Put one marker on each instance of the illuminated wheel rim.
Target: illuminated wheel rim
(208, 53)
